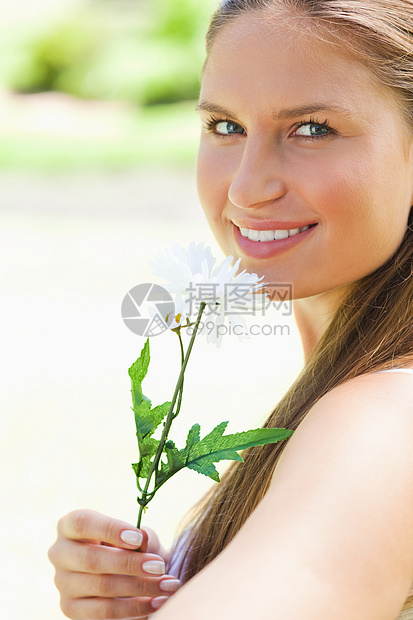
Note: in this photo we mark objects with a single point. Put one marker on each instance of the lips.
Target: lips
(271, 238)
(271, 235)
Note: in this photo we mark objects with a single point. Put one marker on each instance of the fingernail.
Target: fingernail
(132, 538)
(153, 567)
(158, 602)
(170, 585)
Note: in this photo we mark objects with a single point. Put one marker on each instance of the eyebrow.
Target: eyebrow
(284, 113)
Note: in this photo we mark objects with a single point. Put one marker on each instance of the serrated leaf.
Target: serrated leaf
(148, 400)
(175, 462)
(243, 440)
(213, 439)
(139, 369)
(217, 447)
(145, 426)
(148, 447)
(174, 459)
(206, 467)
(147, 420)
(142, 468)
(143, 419)
(137, 373)
(194, 437)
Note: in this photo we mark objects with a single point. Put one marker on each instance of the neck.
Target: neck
(314, 314)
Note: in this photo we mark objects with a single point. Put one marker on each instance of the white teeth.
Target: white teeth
(270, 235)
(267, 235)
(254, 235)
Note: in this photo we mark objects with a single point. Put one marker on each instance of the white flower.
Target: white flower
(192, 279)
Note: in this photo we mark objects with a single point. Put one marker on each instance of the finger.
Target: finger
(81, 585)
(93, 526)
(111, 609)
(82, 557)
(151, 543)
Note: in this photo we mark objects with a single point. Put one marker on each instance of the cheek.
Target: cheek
(344, 191)
(363, 208)
(213, 183)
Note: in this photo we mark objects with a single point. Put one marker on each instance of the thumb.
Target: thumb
(151, 543)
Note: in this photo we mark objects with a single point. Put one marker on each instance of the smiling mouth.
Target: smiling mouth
(271, 235)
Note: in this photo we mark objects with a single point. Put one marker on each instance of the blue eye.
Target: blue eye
(222, 127)
(311, 129)
(226, 128)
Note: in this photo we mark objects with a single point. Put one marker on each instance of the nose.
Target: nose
(258, 178)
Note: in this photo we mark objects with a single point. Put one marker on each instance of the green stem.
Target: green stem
(181, 344)
(169, 418)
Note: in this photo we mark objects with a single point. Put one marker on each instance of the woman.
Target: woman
(307, 111)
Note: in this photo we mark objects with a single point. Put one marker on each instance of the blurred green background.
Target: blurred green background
(101, 83)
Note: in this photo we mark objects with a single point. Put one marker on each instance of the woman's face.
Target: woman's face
(297, 134)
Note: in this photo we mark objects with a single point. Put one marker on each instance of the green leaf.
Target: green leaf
(137, 373)
(139, 369)
(175, 462)
(206, 467)
(217, 447)
(240, 441)
(200, 455)
(147, 421)
(194, 437)
(142, 468)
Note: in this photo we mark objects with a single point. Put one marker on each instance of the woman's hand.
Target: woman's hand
(100, 575)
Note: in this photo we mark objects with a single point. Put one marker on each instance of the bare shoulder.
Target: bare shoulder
(333, 536)
(364, 406)
(343, 490)
(362, 428)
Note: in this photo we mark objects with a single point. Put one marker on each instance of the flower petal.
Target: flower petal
(192, 277)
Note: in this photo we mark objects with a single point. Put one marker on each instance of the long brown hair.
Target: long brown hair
(373, 328)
